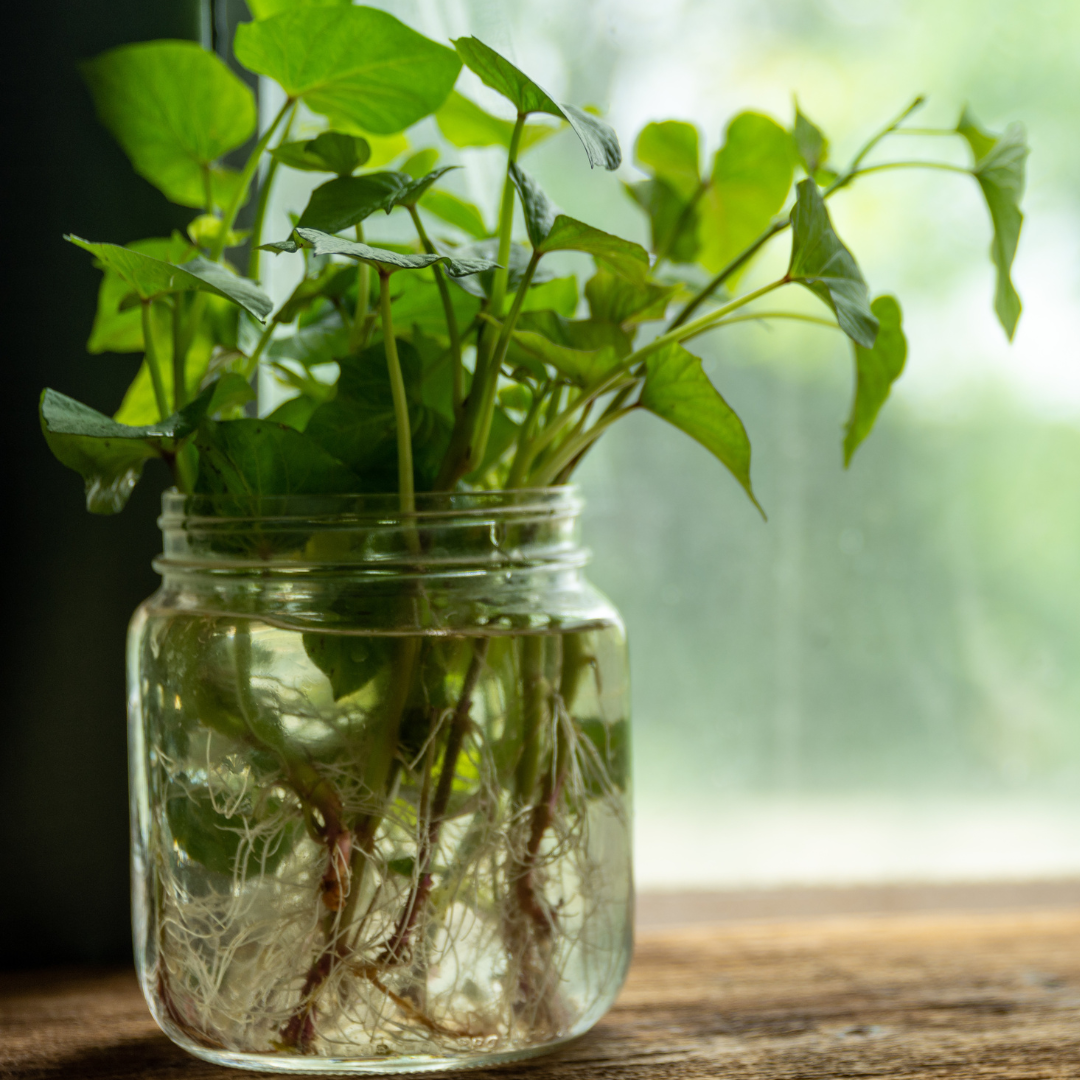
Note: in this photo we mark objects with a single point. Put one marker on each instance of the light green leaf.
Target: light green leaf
(411, 193)
(751, 178)
(175, 109)
(342, 203)
(876, 370)
(321, 341)
(463, 123)
(454, 211)
(677, 390)
(669, 151)
(586, 335)
(623, 257)
(264, 9)
(540, 212)
(228, 393)
(390, 261)
(349, 661)
(421, 163)
(416, 303)
(600, 142)
(332, 151)
(258, 457)
(352, 64)
(811, 144)
(616, 300)
(150, 278)
(999, 169)
(559, 295)
(580, 367)
(821, 263)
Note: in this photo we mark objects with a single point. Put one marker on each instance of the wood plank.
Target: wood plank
(911, 996)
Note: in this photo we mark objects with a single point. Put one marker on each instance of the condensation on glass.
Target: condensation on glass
(380, 782)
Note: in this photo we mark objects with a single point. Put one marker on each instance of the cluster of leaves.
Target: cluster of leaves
(458, 359)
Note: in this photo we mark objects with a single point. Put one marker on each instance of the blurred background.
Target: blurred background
(880, 684)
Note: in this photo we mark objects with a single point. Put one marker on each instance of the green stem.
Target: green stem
(401, 404)
(260, 347)
(506, 222)
(153, 363)
(874, 139)
(525, 436)
(940, 165)
(179, 355)
(248, 171)
(757, 315)
(357, 332)
(575, 446)
(261, 204)
(448, 310)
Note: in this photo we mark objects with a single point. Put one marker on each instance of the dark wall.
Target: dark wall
(72, 579)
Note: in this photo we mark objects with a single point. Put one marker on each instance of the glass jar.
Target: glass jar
(379, 777)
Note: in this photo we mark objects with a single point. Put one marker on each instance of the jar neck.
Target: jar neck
(447, 537)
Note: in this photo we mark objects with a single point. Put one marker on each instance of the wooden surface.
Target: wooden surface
(957, 996)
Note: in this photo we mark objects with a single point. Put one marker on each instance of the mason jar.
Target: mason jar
(379, 781)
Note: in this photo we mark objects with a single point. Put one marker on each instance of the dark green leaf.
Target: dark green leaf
(616, 300)
(876, 370)
(751, 178)
(811, 144)
(600, 142)
(282, 247)
(411, 193)
(673, 222)
(217, 841)
(587, 335)
(480, 285)
(332, 151)
(229, 392)
(669, 151)
(258, 457)
(999, 169)
(390, 261)
(539, 210)
(464, 123)
(416, 303)
(175, 109)
(348, 200)
(150, 278)
(454, 211)
(821, 263)
(296, 412)
(349, 661)
(678, 390)
(321, 341)
(624, 257)
(355, 65)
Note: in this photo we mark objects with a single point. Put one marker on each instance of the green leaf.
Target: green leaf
(349, 661)
(480, 285)
(229, 392)
(454, 211)
(586, 335)
(617, 300)
(421, 163)
(821, 263)
(352, 64)
(258, 457)
(332, 282)
(416, 303)
(751, 178)
(463, 123)
(107, 455)
(678, 390)
(669, 151)
(332, 151)
(622, 257)
(876, 370)
(411, 193)
(559, 295)
(999, 169)
(609, 763)
(217, 841)
(673, 222)
(811, 144)
(296, 412)
(321, 341)
(151, 278)
(175, 109)
(600, 142)
(390, 261)
(264, 9)
(539, 210)
(342, 203)
(358, 426)
(580, 367)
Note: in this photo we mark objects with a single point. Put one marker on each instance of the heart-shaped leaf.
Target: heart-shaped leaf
(580, 367)
(624, 257)
(463, 123)
(811, 144)
(678, 390)
(751, 178)
(356, 65)
(331, 151)
(821, 263)
(876, 370)
(454, 211)
(175, 109)
(673, 222)
(600, 142)
(616, 300)
(150, 278)
(999, 169)
(480, 285)
(391, 261)
(669, 151)
(342, 203)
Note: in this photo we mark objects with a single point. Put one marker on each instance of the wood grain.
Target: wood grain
(927, 996)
